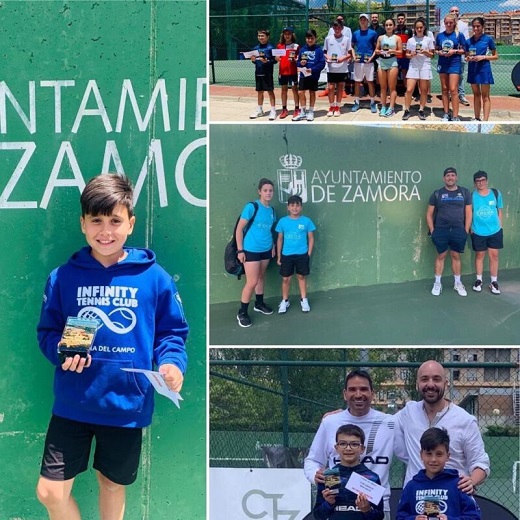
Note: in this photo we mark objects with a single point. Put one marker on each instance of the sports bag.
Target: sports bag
(231, 263)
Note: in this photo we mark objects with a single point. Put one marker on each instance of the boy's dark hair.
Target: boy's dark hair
(351, 429)
(400, 14)
(263, 181)
(295, 199)
(359, 373)
(267, 32)
(310, 32)
(434, 437)
(104, 192)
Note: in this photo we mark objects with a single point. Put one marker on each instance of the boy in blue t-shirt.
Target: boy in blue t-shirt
(433, 492)
(295, 245)
(333, 500)
(264, 65)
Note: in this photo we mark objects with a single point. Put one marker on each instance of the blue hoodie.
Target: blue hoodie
(455, 504)
(142, 323)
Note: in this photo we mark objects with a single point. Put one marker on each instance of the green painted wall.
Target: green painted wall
(367, 190)
(65, 69)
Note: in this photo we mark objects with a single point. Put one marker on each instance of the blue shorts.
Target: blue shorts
(480, 243)
(484, 77)
(450, 68)
(449, 238)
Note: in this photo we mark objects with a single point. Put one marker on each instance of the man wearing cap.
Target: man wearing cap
(486, 229)
(364, 41)
(448, 218)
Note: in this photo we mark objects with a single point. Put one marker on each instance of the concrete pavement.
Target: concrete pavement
(235, 104)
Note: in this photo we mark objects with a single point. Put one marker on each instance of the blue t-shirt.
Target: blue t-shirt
(315, 59)
(485, 213)
(364, 42)
(447, 42)
(295, 232)
(480, 47)
(259, 237)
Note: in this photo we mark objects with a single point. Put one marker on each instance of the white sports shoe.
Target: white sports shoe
(284, 305)
(272, 114)
(257, 113)
(437, 288)
(305, 305)
(460, 289)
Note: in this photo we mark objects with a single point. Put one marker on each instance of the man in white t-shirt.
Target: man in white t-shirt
(377, 426)
(467, 452)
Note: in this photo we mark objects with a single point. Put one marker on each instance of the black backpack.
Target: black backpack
(231, 263)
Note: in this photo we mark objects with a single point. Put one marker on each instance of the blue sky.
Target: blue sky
(466, 6)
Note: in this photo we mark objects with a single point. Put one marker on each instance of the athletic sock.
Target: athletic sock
(243, 307)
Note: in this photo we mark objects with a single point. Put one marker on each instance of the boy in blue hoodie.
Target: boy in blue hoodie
(140, 323)
(311, 61)
(337, 502)
(433, 492)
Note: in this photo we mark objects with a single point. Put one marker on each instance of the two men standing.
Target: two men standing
(453, 212)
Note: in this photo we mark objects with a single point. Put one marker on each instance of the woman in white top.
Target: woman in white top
(388, 48)
(420, 49)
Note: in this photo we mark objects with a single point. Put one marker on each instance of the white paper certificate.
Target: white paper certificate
(248, 54)
(359, 484)
(158, 383)
(278, 52)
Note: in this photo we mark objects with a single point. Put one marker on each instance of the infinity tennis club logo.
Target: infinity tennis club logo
(342, 185)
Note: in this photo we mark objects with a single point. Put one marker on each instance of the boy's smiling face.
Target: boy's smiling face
(294, 209)
(435, 459)
(107, 234)
(349, 448)
(263, 38)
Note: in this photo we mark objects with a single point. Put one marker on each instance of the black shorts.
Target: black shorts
(449, 238)
(264, 83)
(257, 257)
(480, 243)
(308, 83)
(67, 450)
(335, 77)
(292, 263)
(290, 81)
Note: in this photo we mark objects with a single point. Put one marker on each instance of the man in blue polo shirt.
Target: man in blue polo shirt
(448, 218)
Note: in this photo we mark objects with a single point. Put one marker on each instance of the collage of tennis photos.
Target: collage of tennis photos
(261, 260)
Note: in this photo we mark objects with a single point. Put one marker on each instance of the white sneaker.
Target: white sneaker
(493, 287)
(272, 114)
(305, 305)
(284, 305)
(437, 288)
(257, 113)
(460, 289)
(310, 115)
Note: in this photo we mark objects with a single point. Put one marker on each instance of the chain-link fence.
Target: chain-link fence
(266, 405)
(234, 30)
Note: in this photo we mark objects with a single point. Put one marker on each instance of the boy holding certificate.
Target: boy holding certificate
(334, 499)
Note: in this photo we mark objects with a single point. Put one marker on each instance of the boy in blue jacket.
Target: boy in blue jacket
(140, 323)
(340, 503)
(311, 61)
(433, 492)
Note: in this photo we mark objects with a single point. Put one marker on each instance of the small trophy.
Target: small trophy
(367, 57)
(472, 52)
(418, 47)
(431, 507)
(359, 58)
(292, 54)
(332, 480)
(386, 54)
(77, 337)
(334, 58)
(446, 46)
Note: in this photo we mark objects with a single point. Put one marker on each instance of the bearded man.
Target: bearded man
(467, 452)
